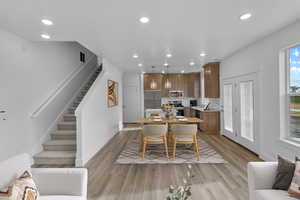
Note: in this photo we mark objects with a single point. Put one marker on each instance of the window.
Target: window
(293, 91)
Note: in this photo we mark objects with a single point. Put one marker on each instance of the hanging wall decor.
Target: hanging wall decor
(112, 93)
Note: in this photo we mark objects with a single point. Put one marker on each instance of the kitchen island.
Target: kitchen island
(211, 118)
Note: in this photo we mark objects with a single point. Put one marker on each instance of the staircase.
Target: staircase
(61, 148)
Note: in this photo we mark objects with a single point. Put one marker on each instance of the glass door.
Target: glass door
(247, 115)
(240, 118)
(228, 108)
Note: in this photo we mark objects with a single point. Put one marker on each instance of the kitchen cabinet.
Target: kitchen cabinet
(212, 80)
(188, 83)
(148, 78)
(211, 123)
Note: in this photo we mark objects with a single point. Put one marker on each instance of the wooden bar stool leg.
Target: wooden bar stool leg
(174, 148)
(166, 147)
(197, 148)
(141, 143)
(144, 149)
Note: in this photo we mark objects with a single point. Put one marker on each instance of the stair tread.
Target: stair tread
(65, 132)
(69, 115)
(56, 154)
(60, 142)
(67, 122)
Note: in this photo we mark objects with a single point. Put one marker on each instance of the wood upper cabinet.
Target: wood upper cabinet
(188, 83)
(153, 77)
(212, 80)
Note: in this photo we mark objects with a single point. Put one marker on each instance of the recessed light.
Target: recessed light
(140, 65)
(202, 54)
(169, 55)
(45, 36)
(135, 56)
(163, 71)
(245, 16)
(182, 71)
(192, 63)
(47, 22)
(166, 64)
(144, 20)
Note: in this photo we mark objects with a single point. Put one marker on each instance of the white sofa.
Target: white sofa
(53, 183)
(261, 176)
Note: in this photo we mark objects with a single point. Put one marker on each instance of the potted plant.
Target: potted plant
(182, 192)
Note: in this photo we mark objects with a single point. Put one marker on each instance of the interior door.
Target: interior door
(131, 103)
(240, 110)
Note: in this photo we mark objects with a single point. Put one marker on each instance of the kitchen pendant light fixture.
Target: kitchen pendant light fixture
(168, 84)
(153, 84)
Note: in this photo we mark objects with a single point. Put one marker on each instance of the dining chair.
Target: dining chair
(155, 134)
(185, 134)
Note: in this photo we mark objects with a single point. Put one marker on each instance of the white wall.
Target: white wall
(29, 73)
(263, 57)
(96, 123)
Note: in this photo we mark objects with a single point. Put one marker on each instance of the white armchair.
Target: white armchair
(53, 183)
(261, 176)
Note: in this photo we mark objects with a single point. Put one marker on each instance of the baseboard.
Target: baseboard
(78, 162)
(266, 157)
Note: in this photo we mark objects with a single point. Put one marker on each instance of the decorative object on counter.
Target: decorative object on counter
(169, 110)
(112, 93)
(182, 192)
(153, 84)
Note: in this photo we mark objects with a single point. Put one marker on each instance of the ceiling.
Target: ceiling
(185, 28)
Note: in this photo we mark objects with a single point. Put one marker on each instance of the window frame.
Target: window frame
(288, 94)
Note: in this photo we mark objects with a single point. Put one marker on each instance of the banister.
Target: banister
(60, 87)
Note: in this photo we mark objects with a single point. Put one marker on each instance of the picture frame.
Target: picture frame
(112, 93)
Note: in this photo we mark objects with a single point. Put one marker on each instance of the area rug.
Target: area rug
(156, 155)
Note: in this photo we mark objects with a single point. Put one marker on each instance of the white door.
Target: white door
(131, 103)
(241, 124)
(228, 109)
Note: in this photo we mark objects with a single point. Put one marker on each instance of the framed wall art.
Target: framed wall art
(112, 93)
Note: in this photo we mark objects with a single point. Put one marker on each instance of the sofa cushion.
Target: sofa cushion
(295, 185)
(60, 197)
(24, 188)
(13, 168)
(284, 175)
(272, 195)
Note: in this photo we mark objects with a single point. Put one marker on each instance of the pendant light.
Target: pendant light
(153, 84)
(168, 84)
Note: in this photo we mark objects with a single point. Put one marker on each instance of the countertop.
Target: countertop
(208, 110)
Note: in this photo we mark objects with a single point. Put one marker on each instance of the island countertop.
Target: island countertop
(208, 110)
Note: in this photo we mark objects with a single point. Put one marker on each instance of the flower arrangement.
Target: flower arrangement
(182, 192)
(169, 111)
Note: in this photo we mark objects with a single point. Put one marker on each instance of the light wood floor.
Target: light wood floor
(110, 181)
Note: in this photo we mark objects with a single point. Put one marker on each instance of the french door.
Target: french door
(240, 109)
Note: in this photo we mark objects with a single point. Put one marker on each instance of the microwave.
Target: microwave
(176, 93)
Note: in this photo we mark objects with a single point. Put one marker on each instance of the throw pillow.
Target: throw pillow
(284, 175)
(24, 188)
(294, 189)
